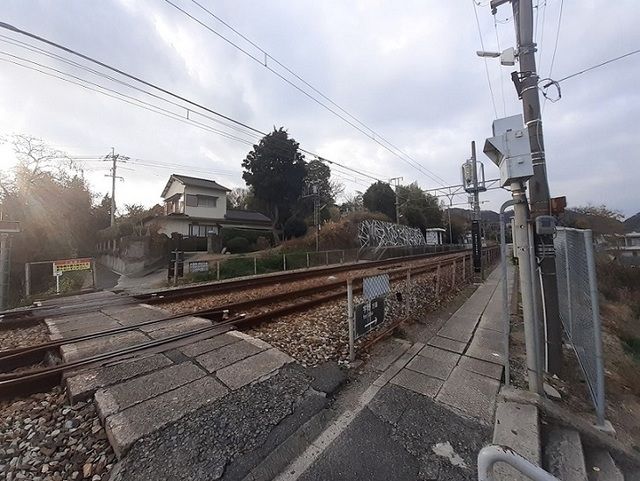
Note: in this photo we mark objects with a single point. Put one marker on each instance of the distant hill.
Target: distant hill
(599, 224)
(632, 224)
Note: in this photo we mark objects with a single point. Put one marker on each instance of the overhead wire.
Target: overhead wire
(151, 107)
(555, 49)
(369, 132)
(486, 66)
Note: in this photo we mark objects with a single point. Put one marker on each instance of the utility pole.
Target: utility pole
(396, 182)
(526, 82)
(115, 158)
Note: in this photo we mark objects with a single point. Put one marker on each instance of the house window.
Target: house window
(207, 201)
(197, 230)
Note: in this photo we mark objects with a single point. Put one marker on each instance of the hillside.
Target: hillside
(632, 224)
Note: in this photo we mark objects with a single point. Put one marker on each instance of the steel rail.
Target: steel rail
(10, 383)
(14, 358)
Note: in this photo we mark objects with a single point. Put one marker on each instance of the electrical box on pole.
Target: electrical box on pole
(510, 150)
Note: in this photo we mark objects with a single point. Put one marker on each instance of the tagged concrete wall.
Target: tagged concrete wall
(132, 255)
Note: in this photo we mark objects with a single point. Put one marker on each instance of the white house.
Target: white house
(193, 207)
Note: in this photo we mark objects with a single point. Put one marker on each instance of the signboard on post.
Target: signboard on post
(375, 286)
(368, 316)
(68, 265)
(476, 245)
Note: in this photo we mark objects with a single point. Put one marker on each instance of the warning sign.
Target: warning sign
(67, 265)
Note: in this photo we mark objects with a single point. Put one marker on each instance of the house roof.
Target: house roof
(246, 215)
(193, 181)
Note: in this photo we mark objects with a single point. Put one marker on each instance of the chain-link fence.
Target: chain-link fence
(579, 309)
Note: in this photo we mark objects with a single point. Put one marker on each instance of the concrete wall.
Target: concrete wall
(168, 225)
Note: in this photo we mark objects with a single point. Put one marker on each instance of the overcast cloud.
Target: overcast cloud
(407, 69)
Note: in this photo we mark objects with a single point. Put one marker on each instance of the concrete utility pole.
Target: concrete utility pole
(115, 158)
(527, 86)
(396, 182)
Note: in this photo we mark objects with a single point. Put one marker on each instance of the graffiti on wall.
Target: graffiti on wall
(376, 233)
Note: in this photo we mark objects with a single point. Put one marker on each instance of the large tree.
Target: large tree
(275, 172)
(379, 197)
(417, 208)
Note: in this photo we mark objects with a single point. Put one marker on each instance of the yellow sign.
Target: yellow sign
(67, 265)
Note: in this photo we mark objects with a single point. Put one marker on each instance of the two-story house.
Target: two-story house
(194, 207)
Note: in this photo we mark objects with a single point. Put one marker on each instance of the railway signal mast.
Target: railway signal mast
(474, 183)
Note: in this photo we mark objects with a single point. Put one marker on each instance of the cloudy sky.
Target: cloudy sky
(408, 70)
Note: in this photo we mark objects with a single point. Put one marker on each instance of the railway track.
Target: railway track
(9, 319)
(16, 383)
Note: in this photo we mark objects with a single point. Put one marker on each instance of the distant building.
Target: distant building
(434, 236)
(194, 207)
(629, 253)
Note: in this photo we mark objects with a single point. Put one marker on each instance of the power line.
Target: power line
(555, 48)
(369, 133)
(486, 66)
(598, 65)
(173, 115)
(504, 105)
(544, 14)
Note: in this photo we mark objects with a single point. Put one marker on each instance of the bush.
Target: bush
(238, 245)
(294, 227)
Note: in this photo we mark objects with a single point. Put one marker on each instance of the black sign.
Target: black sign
(476, 246)
(369, 315)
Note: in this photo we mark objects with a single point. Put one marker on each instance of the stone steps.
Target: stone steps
(563, 454)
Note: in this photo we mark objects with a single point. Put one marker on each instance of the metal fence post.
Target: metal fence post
(94, 274)
(408, 293)
(464, 268)
(255, 265)
(218, 270)
(308, 265)
(27, 279)
(597, 328)
(438, 280)
(453, 273)
(284, 262)
(327, 257)
(352, 347)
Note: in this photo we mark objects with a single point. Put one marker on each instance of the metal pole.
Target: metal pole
(255, 265)
(114, 159)
(217, 270)
(538, 184)
(284, 262)
(521, 237)
(4, 270)
(58, 282)
(27, 279)
(408, 293)
(352, 347)
(94, 274)
(307, 260)
(506, 318)
(176, 261)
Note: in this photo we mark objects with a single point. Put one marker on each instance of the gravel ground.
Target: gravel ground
(42, 438)
(209, 302)
(23, 336)
(321, 334)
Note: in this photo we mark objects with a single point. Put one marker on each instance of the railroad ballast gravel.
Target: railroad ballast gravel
(43, 438)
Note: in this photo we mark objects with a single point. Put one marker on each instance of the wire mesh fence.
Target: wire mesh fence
(579, 309)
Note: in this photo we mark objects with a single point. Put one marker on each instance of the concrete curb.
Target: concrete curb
(563, 417)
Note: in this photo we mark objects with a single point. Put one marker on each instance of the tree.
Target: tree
(379, 197)
(275, 172)
(239, 198)
(318, 179)
(352, 203)
(418, 209)
(600, 219)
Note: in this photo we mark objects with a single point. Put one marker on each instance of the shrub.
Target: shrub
(238, 245)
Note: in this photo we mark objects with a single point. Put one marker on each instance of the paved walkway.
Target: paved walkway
(430, 411)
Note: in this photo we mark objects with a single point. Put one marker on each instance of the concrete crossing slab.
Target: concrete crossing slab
(207, 345)
(472, 394)
(226, 355)
(82, 349)
(487, 345)
(126, 394)
(173, 327)
(126, 427)
(252, 368)
(84, 384)
(447, 344)
(417, 382)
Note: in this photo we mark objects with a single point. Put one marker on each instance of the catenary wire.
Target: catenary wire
(486, 66)
(371, 134)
